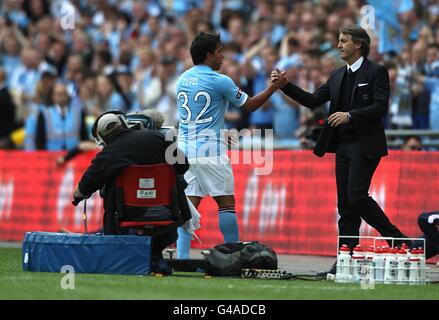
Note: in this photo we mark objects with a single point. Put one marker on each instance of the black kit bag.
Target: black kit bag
(228, 259)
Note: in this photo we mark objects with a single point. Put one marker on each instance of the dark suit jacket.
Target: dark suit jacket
(369, 104)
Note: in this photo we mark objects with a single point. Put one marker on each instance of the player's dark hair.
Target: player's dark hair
(202, 44)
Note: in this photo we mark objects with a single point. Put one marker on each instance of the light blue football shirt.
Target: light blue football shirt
(202, 99)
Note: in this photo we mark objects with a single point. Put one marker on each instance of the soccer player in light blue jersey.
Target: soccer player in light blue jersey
(203, 95)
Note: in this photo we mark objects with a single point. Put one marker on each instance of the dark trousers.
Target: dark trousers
(431, 234)
(354, 171)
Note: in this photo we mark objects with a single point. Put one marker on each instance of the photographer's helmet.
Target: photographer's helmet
(107, 126)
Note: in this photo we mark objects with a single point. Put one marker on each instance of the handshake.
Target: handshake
(278, 78)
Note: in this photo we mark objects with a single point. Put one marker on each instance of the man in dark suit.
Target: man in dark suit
(354, 131)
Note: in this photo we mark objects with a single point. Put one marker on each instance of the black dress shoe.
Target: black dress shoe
(333, 270)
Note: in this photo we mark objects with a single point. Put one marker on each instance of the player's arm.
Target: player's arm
(253, 103)
(241, 99)
(309, 100)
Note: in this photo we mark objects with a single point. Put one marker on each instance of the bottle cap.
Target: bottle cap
(358, 248)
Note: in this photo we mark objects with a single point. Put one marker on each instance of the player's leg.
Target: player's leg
(194, 194)
(220, 185)
(228, 222)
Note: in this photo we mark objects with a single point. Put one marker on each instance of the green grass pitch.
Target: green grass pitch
(16, 284)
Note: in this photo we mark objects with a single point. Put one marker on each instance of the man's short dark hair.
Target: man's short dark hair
(202, 44)
(359, 35)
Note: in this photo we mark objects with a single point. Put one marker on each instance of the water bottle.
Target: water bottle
(344, 265)
(358, 263)
(370, 253)
(415, 263)
(390, 267)
(402, 275)
(378, 261)
(422, 266)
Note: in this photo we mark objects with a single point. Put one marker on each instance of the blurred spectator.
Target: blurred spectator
(234, 25)
(44, 88)
(36, 9)
(107, 96)
(10, 55)
(101, 60)
(58, 127)
(145, 60)
(42, 42)
(290, 51)
(432, 85)
(8, 115)
(412, 143)
(13, 11)
(26, 76)
(392, 17)
(392, 69)
(401, 102)
(285, 113)
(161, 90)
(57, 56)
(87, 99)
(432, 66)
(420, 94)
(263, 64)
(126, 84)
(177, 8)
(280, 16)
(235, 117)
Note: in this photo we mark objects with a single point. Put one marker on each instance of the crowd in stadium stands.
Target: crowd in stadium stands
(58, 71)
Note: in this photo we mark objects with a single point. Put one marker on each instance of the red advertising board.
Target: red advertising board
(293, 208)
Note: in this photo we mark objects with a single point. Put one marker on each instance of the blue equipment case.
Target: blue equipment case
(86, 253)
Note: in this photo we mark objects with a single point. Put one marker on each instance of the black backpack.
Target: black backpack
(228, 259)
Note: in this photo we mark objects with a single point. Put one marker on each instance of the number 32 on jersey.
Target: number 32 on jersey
(198, 98)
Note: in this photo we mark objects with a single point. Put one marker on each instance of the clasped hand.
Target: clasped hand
(338, 118)
(278, 78)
